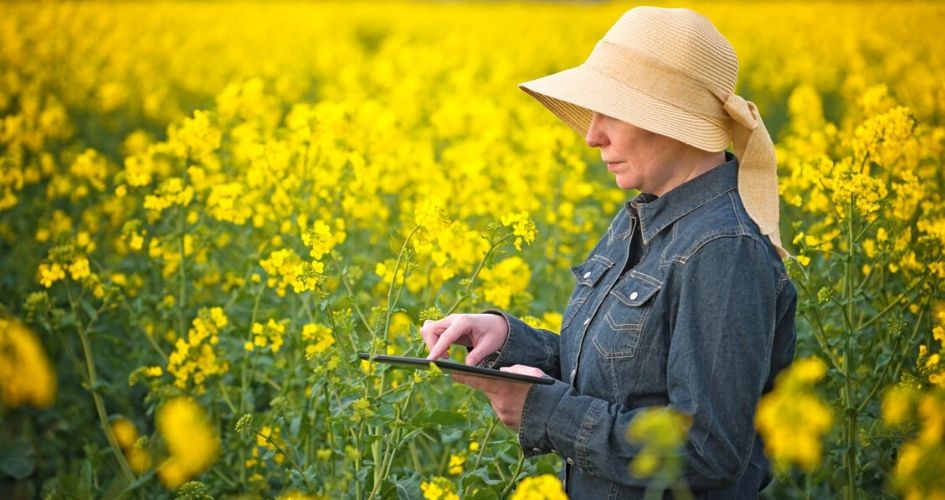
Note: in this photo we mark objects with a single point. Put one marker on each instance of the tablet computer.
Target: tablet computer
(446, 365)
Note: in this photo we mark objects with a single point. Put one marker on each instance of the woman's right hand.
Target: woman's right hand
(485, 333)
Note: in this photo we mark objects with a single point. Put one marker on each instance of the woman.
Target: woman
(684, 302)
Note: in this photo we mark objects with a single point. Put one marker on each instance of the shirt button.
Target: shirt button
(536, 450)
(588, 320)
(634, 295)
(570, 462)
(587, 275)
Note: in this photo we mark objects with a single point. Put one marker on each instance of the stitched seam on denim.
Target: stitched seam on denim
(603, 259)
(643, 294)
(633, 330)
(686, 212)
(783, 281)
(579, 300)
(548, 347)
(525, 412)
(505, 344)
(586, 426)
(738, 216)
(646, 277)
(611, 231)
(696, 246)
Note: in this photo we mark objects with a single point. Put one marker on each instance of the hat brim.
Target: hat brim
(574, 94)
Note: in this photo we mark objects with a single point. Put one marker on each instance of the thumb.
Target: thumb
(477, 354)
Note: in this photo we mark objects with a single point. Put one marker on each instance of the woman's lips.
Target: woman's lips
(612, 164)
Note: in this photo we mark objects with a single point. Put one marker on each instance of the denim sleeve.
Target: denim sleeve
(722, 319)
(525, 346)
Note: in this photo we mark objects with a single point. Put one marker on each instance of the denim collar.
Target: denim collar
(658, 213)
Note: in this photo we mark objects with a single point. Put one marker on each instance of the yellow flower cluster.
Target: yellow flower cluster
(522, 227)
(503, 281)
(660, 432)
(929, 362)
(270, 438)
(26, 375)
(439, 488)
(550, 321)
(792, 419)
(455, 466)
(191, 165)
(271, 335)
(918, 470)
(540, 487)
(192, 443)
(126, 434)
(194, 358)
(318, 339)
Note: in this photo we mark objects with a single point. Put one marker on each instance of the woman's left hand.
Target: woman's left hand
(507, 398)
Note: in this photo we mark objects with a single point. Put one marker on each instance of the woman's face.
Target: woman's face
(640, 159)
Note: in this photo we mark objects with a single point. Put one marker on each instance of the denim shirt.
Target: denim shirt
(702, 324)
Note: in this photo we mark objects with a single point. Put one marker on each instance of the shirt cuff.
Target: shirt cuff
(540, 404)
(507, 355)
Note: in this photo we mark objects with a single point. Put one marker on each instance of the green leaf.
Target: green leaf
(432, 418)
(93, 314)
(408, 488)
(17, 458)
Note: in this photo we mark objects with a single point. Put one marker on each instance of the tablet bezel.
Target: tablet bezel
(446, 365)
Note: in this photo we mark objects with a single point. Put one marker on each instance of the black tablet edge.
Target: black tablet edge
(443, 364)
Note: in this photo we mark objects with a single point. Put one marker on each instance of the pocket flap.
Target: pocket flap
(633, 291)
(591, 271)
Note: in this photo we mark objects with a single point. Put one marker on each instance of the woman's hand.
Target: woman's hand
(507, 398)
(485, 333)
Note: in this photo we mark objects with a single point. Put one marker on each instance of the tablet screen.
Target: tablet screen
(446, 365)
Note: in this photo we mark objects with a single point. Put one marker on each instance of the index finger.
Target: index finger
(431, 330)
(448, 337)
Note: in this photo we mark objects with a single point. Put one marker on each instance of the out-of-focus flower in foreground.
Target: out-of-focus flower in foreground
(26, 375)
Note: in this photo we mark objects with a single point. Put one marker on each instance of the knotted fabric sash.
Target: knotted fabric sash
(737, 118)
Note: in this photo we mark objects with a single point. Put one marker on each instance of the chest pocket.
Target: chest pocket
(631, 300)
(587, 277)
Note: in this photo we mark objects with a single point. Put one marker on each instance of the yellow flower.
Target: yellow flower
(50, 273)
(26, 374)
(897, 405)
(191, 440)
(541, 487)
(79, 268)
(792, 419)
(456, 464)
(661, 431)
(125, 433)
(522, 227)
(318, 337)
(194, 359)
(439, 488)
(504, 280)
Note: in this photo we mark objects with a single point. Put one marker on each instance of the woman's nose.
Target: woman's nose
(595, 137)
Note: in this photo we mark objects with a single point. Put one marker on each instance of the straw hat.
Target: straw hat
(671, 72)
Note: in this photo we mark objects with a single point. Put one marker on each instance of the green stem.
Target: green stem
(354, 303)
(849, 406)
(92, 380)
(894, 303)
(882, 376)
(472, 279)
(485, 441)
(288, 457)
(820, 334)
(514, 476)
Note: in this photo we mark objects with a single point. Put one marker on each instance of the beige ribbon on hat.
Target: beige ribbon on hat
(758, 167)
(758, 171)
